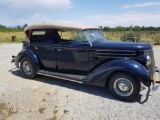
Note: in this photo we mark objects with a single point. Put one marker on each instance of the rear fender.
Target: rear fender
(29, 54)
(100, 75)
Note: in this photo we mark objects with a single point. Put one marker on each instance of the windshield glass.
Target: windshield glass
(85, 35)
(94, 35)
(72, 35)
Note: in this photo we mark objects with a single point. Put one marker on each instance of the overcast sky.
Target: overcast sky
(93, 12)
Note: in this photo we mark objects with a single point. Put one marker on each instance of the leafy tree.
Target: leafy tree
(131, 28)
(143, 28)
(137, 28)
(2, 26)
(24, 26)
(107, 28)
(119, 28)
(19, 27)
(158, 28)
(131, 37)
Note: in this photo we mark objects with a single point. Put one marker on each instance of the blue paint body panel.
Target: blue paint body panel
(76, 58)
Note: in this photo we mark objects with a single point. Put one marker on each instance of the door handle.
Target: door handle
(59, 49)
(35, 47)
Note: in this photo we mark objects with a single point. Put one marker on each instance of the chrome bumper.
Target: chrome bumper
(156, 79)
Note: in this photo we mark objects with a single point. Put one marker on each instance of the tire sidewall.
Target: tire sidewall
(135, 83)
(33, 69)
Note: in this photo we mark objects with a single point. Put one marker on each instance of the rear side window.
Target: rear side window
(45, 36)
(38, 32)
(38, 36)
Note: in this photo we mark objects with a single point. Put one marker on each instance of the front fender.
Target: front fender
(29, 54)
(101, 74)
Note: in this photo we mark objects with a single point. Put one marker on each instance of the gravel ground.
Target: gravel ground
(45, 98)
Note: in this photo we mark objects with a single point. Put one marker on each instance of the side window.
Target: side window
(70, 35)
(38, 36)
(47, 36)
(38, 33)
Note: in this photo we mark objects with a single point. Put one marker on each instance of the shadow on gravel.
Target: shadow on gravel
(139, 100)
(16, 72)
(94, 90)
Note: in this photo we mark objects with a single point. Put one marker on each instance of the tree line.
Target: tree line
(18, 28)
(3, 28)
(131, 28)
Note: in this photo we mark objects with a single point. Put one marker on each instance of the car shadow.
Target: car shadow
(94, 90)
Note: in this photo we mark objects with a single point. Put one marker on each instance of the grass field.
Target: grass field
(147, 36)
(6, 37)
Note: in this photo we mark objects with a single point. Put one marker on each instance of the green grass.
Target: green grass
(146, 36)
(6, 37)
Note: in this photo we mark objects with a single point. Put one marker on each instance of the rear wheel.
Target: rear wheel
(28, 68)
(124, 86)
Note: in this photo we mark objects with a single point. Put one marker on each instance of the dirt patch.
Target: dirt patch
(43, 100)
(58, 114)
(55, 111)
(6, 110)
(66, 111)
(41, 110)
(53, 118)
(48, 93)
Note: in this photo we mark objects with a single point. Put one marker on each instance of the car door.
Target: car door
(44, 47)
(73, 58)
(46, 54)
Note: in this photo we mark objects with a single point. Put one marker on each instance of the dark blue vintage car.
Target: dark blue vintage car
(82, 54)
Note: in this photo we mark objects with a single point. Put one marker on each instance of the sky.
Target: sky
(110, 13)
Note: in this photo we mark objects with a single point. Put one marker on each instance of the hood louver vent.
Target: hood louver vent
(116, 53)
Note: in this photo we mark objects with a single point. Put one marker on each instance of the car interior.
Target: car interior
(52, 36)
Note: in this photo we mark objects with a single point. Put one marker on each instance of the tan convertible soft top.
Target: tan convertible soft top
(59, 25)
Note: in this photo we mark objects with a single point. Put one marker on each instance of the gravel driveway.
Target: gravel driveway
(45, 98)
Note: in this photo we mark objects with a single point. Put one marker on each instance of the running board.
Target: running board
(64, 76)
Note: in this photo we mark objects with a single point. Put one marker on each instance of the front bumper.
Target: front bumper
(156, 79)
(13, 59)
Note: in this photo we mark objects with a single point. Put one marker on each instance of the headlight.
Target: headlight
(144, 59)
(148, 60)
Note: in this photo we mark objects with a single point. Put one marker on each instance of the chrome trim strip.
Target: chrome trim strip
(113, 57)
(59, 77)
(114, 54)
(116, 50)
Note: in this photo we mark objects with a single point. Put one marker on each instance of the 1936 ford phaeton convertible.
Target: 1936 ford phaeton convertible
(81, 53)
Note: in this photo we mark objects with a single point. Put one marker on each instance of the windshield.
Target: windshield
(94, 35)
(85, 35)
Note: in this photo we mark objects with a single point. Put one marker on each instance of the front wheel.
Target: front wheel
(124, 86)
(27, 68)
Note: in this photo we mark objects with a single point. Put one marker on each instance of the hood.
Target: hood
(118, 45)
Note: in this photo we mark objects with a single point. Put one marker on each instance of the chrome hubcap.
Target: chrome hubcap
(123, 87)
(27, 68)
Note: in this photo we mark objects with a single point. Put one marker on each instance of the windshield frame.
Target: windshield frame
(89, 35)
(93, 35)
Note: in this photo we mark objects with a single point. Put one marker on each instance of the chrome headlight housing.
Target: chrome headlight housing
(148, 60)
(148, 57)
(144, 59)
